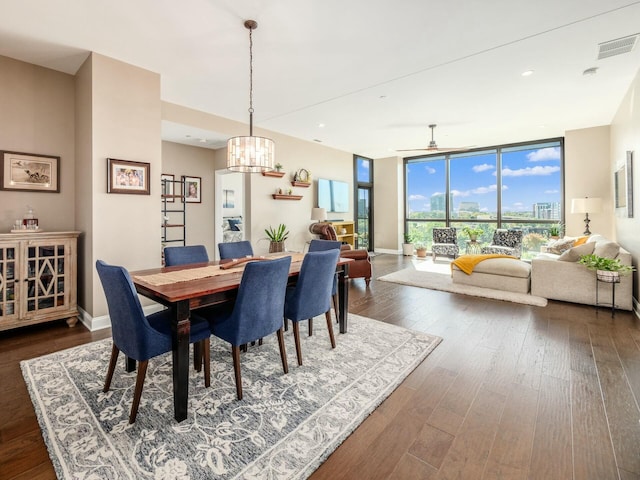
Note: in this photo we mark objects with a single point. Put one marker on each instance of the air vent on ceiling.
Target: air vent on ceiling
(616, 47)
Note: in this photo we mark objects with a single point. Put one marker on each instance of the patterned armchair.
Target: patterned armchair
(445, 242)
(505, 242)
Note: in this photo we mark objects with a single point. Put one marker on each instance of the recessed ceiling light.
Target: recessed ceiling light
(316, 140)
(590, 71)
(321, 125)
(382, 97)
(526, 73)
(203, 140)
(188, 136)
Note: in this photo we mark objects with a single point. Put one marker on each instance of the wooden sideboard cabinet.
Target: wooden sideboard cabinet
(38, 278)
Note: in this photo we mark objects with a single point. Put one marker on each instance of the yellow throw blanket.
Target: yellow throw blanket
(467, 263)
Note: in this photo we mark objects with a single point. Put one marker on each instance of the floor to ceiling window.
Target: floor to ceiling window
(511, 186)
(363, 171)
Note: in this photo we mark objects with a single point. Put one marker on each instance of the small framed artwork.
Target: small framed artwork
(29, 172)
(124, 176)
(192, 189)
(623, 182)
(228, 199)
(168, 187)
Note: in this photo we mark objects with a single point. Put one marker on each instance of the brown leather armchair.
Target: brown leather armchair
(361, 266)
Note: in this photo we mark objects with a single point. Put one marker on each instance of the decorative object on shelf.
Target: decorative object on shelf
(250, 154)
(30, 222)
(289, 192)
(167, 187)
(277, 237)
(124, 176)
(192, 189)
(302, 176)
(29, 171)
(624, 188)
(278, 167)
(586, 205)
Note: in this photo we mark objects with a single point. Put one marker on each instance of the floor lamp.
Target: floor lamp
(586, 205)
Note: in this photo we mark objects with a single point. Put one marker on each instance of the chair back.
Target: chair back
(445, 235)
(507, 238)
(312, 294)
(130, 328)
(325, 230)
(235, 249)
(322, 245)
(185, 255)
(259, 304)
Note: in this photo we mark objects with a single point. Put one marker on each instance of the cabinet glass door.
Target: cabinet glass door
(46, 285)
(8, 287)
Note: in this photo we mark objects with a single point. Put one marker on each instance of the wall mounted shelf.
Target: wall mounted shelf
(278, 196)
(296, 183)
(273, 174)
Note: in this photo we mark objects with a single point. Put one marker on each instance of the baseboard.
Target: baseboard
(94, 324)
(389, 251)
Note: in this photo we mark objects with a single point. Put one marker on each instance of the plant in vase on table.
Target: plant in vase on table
(277, 237)
(607, 269)
(421, 250)
(472, 232)
(555, 231)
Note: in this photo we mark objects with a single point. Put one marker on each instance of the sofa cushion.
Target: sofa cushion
(560, 246)
(574, 253)
(580, 241)
(606, 249)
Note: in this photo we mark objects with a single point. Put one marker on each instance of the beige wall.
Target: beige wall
(625, 136)
(389, 216)
(588, 174)
(37, 116)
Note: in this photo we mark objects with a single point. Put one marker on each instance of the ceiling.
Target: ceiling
(374, 73)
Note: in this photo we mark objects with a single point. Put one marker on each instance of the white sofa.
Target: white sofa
(554, 278)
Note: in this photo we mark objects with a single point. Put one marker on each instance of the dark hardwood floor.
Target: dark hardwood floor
(512, 392)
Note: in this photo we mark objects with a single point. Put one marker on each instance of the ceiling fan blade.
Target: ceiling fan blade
(435, 149)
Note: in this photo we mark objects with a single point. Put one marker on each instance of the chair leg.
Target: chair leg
(197, 357)
(260, 342)
(335, 306)
(283, 351)
(311, 327)
(142, 372)
(296, 336)
(206, 354)
(235, 353)
(367, 280)
(327, 314)
(112, 366)
(286, 324)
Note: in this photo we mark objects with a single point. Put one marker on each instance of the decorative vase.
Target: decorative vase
(473, 238)
(421, 252)
(608, 276)
(275, 247)
(407, 249)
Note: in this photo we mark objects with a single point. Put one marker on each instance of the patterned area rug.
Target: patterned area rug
(284, 428)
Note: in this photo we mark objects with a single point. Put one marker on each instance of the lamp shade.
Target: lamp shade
(319, 214)
(250, 154)
(586, 205)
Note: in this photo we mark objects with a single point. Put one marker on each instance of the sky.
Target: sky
(529, 176)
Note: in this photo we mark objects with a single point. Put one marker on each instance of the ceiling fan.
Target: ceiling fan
(433, 146)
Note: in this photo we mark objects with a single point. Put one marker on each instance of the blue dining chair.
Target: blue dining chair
(184, 255)
(235, 249)
(257, 311)
(138, 336)
(317, 245)
(311, 294)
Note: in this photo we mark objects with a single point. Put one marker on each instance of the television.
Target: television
(333, 195)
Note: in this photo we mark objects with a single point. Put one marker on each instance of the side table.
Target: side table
(473, 247)
(610, 278)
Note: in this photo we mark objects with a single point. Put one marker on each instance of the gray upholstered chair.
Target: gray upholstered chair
(445, 242)
(505, 242)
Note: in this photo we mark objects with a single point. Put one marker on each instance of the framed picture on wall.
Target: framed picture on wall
(192, 189)
(228, 199)
(29, 171)
(168, 187)
(124, 176)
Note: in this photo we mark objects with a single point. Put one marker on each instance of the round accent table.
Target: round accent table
(473, 247)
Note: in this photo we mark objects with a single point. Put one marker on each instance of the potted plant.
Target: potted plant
(472, 232)
(278, 167)
(555, 231)
(421, 250)
(607, 269)
(277, 236)
(407, 246)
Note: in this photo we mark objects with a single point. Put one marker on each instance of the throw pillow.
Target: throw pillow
(560, 246)
(607, 249)
(574, 254)
(580, 241)
(233, 224)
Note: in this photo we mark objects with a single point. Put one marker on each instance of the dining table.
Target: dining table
(186, 288)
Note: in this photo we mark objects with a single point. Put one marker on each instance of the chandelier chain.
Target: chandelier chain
(250, 70)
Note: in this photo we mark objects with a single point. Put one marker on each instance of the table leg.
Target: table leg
(343, 297)
(180, 332)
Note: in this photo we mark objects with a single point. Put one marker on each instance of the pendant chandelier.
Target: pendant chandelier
(250, 154)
